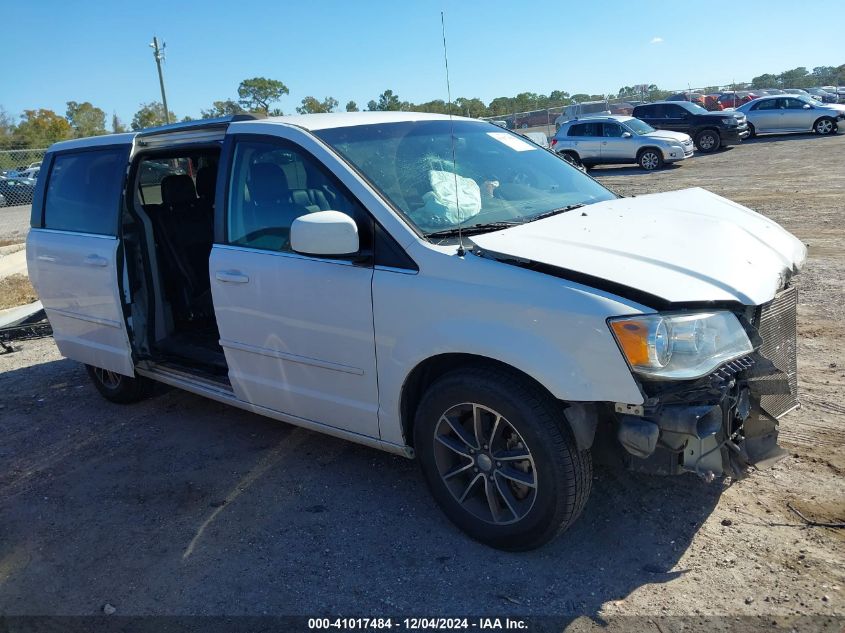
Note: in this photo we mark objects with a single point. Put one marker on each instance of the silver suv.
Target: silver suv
(620, 139)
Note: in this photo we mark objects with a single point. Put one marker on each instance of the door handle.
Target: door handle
(46, 258)
(231, 277)
(96, 260)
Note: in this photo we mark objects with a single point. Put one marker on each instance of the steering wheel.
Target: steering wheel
(525, 178)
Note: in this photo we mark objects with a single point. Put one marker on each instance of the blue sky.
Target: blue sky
(56, 51)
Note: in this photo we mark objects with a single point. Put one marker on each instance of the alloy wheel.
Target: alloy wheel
(706, 142)
(109, 379)
(485, 463)
(650, 160)
(825, 126)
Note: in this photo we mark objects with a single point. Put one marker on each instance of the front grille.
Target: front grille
(776, 324)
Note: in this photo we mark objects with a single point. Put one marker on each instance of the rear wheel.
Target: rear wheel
(650, 159)
(825, 125)
(708, 141)
(572, 158)
(119, 388)
(498, 458)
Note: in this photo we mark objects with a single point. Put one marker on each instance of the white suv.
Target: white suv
(440, 289)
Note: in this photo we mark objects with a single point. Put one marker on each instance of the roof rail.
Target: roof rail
(186, 126)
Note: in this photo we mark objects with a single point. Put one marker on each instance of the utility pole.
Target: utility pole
(158, 53)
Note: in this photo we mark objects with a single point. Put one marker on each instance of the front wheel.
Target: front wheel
(499, 459)
(708, 141)
(117, 387)
(825, 125)
(751, 131)
(650, 159)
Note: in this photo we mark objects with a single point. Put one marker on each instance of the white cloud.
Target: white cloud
(656, 40)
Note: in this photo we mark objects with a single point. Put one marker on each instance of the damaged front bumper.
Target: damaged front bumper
(726, 422)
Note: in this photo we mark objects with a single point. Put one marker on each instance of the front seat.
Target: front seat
(186, 236)
(272, 210)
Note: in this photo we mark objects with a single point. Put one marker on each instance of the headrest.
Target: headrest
(268, 183)
(176, 189)
(206, 182)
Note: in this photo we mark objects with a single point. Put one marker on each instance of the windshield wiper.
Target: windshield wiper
(473, 229)
(548, 214)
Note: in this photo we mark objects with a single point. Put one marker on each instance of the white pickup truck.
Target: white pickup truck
(441, 289)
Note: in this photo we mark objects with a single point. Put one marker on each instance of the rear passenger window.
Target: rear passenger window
(576, 130)
(271, 185)
(83, 193)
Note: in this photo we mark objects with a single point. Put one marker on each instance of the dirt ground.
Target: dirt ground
(16, 290)
(179, 505)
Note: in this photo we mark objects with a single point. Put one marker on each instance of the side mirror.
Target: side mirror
(329, 233)
(807, 106)
(626, 135)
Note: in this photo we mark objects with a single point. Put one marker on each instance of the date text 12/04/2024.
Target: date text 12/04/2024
(414, 624)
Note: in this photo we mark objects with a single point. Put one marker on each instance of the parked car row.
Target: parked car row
(667, 131)
(29, 171)
(735, 98)
(657, 133)
(16, 191)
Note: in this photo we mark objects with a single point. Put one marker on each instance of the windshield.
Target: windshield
(639, 127)
(500, 176)
(692, 107)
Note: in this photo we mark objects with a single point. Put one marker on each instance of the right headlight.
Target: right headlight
(680, 346)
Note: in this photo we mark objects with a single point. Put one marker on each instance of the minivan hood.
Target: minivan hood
(681, 247)
(668, 135)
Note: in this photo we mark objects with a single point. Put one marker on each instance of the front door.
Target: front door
(74, 256)
(297, 330)
(676, 118)
(615, 147)
(795, 116)
(767, 115)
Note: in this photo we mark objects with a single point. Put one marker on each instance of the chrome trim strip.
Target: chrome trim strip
(85, 317)
(304, 360)
(401, 271)
(77, 233)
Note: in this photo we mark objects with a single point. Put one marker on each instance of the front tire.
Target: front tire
(708, 141)
(825, 125)
(117, 387)
(751, 131)
(650, 159)
(499, 459)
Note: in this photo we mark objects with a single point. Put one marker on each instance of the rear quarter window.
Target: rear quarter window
(83, 191)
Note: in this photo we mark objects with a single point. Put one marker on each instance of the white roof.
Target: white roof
(349, 119)
(308, 121)
(94, 141)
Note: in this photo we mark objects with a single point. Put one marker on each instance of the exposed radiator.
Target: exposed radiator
(776, 323)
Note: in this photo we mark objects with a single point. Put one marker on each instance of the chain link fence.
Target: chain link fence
(18, 172)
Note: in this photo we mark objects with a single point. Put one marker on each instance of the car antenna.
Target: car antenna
(461, 250)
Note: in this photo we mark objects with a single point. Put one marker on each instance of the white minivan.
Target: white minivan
(440, 289)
